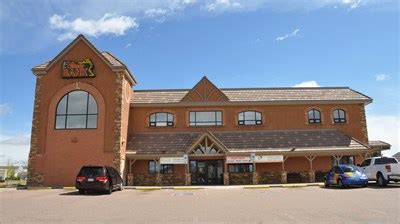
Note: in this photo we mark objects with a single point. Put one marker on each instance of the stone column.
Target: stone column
(226, 178)
(188, 179)
(159, 179)
(130, 179)
(283, 177)
(255, 178)
(311, 176)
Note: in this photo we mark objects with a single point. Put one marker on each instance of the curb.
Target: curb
(39, 188)
(257, 187)
(148, 188)
(294, 185)
(187, 188)
(69, 188)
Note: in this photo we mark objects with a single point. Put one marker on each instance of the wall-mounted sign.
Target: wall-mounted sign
(174, 160)
(269, 159)
(238, 159)
(81, 69)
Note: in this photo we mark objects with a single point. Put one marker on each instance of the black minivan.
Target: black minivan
(98, 178)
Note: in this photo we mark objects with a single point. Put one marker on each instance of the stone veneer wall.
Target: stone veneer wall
(320, 175)
(118, 155)
(143, 180)
(298, 177)
(173, 179)
(34, 178)
(270, 177)
(240, 178)
(364, 129)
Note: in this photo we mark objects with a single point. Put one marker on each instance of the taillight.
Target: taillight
(102, 179)
(388, 168)
(80, 178)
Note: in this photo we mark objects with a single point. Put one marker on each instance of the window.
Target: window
(161, 119)
(152, 167)
(77, 109)
(167, 168)
(385, 160)
(240, 168)
(339, 116)
(366, 163)
(249, 118)
(343, 160)
(204, 118)
(314, 116)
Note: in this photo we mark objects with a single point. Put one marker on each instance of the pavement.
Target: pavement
(312, 204)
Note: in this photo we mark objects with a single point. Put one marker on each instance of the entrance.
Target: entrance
(207, 172)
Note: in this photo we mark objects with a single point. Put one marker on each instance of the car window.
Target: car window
(385, 160)
(92, 171)
(350, 169)
(366, 162)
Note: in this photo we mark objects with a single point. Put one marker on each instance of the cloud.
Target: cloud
(221, 5)
(385, 128)
(16, 140)
(108, 24)
(5, 109)
(289, 35)
(353, 3)
(14, 148)
(155, 12)
(307, 84)
(128, 45)
(381, 77)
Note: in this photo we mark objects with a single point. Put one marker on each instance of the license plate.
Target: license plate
(90, 179)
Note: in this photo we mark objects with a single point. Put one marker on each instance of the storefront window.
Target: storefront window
(76, 110)
(167, 168)
(249, 118)
(240, 168)
(152, 167)
(204, 118)
(161, 119)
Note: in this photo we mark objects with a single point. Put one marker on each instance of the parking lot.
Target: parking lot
(217, 205)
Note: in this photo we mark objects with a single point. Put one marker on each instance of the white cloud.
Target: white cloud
(353, 3)
(381, 77)
(5, 109)
(108, 24)
(385, 128)
(289, 35)
(14, 148)
(221, 5)
(155, 12)
(307, 84)
(16, 140)
(128, 45)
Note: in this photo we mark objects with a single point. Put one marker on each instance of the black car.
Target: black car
(98, 178)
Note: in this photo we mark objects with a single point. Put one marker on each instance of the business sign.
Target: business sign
(81, 69)
(268, 159)
(174, 160)
(238, 159)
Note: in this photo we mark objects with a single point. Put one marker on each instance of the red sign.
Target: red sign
(82, 69)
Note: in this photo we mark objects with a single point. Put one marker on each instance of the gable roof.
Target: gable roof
(204, 91)
(114, 63)
(248, 95)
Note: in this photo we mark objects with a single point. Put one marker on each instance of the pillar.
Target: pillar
(255, 178)
(129, 179)
(188, 179)
(226, 178)
(283, 177)
(311, 176)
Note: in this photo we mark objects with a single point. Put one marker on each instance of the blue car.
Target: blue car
(346, 175)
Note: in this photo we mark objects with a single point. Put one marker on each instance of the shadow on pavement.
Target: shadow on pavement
(370, 186)
(76, 193)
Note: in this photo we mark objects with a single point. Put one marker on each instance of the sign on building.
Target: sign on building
(238, 159)
(81, 69)
(268, 159)
(174, 160)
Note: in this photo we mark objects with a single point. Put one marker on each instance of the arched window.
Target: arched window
(249, 118)
(161, 119)
(76, 110)
(314, 116)
(339, 116)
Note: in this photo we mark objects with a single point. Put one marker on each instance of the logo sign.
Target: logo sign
(238, 159)
(269, 159)
(81, 69)
(173, 160)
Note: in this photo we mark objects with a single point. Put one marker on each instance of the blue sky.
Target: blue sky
(172, 44)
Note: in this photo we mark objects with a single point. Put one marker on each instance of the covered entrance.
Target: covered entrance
(207, 172)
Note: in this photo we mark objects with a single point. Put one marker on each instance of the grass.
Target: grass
(12, 183)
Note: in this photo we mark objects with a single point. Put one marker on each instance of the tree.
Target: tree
(10, 170)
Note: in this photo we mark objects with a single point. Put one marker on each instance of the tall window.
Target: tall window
(152, 167)
(249, 118)
(161, 119)
(203, 118)
(314, 116)
(339, 116)
(76, 110)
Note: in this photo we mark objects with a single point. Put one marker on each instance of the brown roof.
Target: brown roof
(379, 144)
(240, 141)
(257, 95)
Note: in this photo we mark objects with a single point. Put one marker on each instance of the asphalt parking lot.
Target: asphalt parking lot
(236, 205)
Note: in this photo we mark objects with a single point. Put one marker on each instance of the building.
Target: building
(86, 112)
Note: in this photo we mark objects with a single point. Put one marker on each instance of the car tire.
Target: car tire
(81, 191)
(326, 182)
(110, 189)
(340, 183)
(120, 187)
(380, 180)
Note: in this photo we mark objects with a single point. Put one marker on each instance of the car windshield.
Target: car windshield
(350, 169)
(92, 171)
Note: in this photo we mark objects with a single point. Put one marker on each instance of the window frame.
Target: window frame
(66, 115)
(169, 123)
(170, 167)
(240, 169)
(216, 121)
(314, 120)
(243, 122)
(339, 119)
(155, 167)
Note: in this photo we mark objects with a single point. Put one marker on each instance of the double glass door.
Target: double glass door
(206, 172)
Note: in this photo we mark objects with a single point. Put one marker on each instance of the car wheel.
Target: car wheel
(81, 191)
(381, 180)
(326, 183)
(340, 183)
(120, 187)
(110, 189)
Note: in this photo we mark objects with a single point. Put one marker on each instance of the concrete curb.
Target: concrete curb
(69, 188)
(39, 188)
(147, 188)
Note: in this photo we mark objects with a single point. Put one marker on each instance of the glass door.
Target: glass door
(206, 172)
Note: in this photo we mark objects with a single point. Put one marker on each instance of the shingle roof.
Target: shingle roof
(248, 141)
(379, 144)
(257, 95)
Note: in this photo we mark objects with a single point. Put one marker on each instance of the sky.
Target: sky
(236, 43)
